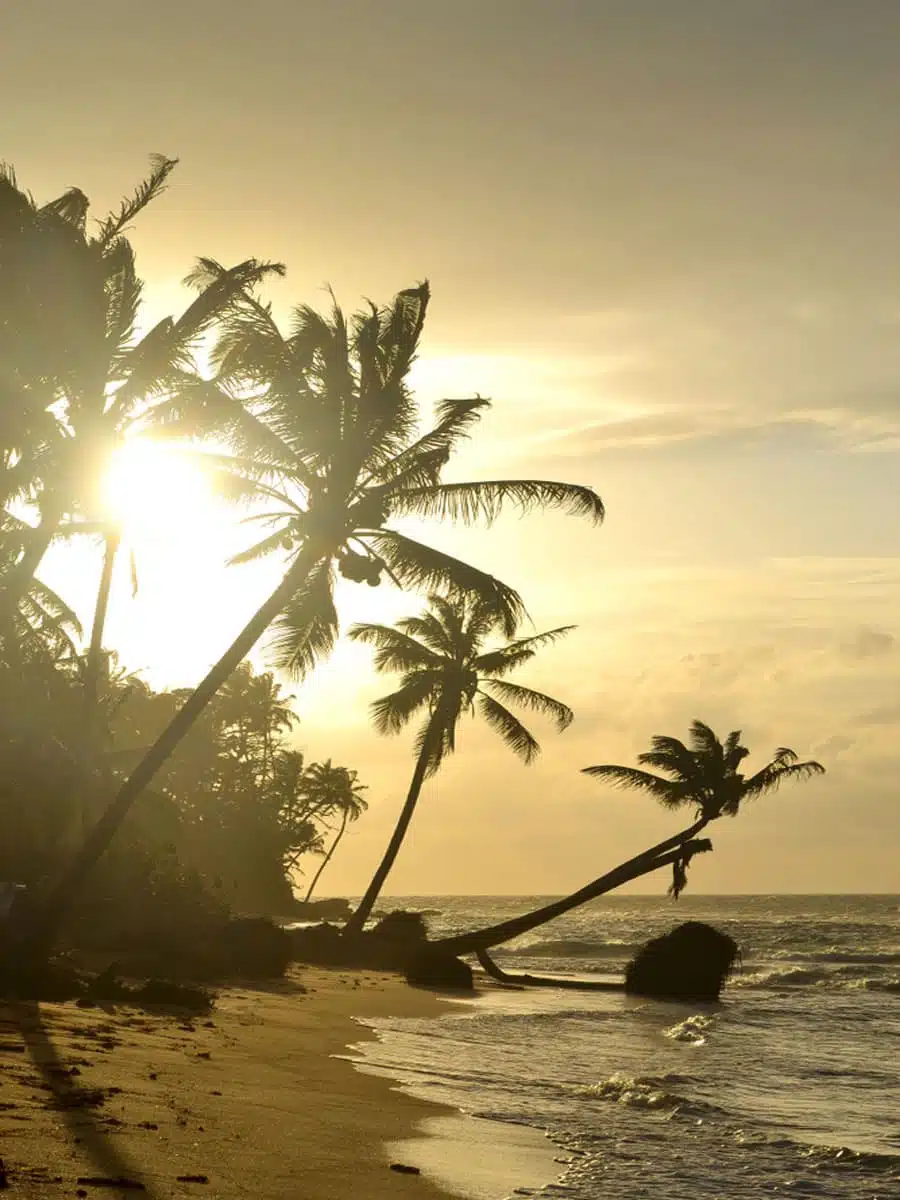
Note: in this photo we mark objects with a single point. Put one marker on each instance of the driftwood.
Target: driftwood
(583, 985)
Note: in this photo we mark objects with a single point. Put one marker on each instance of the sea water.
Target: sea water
(790, 1086)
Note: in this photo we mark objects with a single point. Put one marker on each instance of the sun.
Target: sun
(152, 489)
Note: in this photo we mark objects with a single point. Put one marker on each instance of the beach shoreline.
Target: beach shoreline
(261, 1098)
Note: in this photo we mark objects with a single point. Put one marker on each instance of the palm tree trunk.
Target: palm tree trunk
(15, 584)
(327, 859)
(669, 851)
(45, 924)
(95, 650)
(357, 920)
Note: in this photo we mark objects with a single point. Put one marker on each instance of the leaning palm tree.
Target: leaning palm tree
(703, 775)
(446, 671)
(326, 422)
(333, 791)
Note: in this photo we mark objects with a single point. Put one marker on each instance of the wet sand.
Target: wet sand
(250, 1101)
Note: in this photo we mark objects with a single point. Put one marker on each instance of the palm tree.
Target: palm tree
(704, 776)
(79, 352)
(326, 413)
(446, 671)
(333, 790)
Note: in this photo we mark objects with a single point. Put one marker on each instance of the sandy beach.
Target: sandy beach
(250, 1101)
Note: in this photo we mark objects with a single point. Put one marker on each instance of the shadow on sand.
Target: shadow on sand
(78, 1106)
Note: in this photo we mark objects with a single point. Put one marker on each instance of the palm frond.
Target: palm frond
(455, 420)
(704, 741)
(784, 756)
(662, 760)
(484, 500)
(250, 346)
(510, 728)
(123, 298)
(401, 330)
(52, 606)
(668, 793)
(391, 713)
(733, 752)
(71, 207)
(539, 702)
(430, 632)
(421, 567)
(307, 630)
(774, 774)
(147, 191)
(451, 616)
(394, 649)
(219, 287)
(505, 659)
(674, 751)
(261, 549)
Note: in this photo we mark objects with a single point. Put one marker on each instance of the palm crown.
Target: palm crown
(324, 429)
(333, 789)
(705, 773)
(446, 671)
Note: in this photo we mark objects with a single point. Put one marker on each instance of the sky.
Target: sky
(663, 236)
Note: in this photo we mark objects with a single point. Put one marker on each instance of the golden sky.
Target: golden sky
(663, 235)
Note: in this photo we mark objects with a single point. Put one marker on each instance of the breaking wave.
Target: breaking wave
(691, 1030)
(650, 1092)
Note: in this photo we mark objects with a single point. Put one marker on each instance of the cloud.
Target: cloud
(834, 746)
(886, 714)
(868, 643)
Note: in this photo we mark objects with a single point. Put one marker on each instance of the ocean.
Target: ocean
(789, 1087)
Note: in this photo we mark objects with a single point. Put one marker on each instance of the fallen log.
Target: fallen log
(583, 985)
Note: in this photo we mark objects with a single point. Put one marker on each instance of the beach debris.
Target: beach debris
(122, 1182)
(192, 1179)
(404, 1169)
(690, 962)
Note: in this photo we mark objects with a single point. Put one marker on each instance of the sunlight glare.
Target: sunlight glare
(151, 487)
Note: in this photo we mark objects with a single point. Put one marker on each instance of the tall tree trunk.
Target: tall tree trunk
(15, 584)
(93, 666)
(327, 859)
(665, 853)
(357, 920)
(44, 926)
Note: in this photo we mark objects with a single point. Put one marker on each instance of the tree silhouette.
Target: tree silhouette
(703, 775)
(82, 375)
(333, 791)
(327, 413)
(447, 671)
